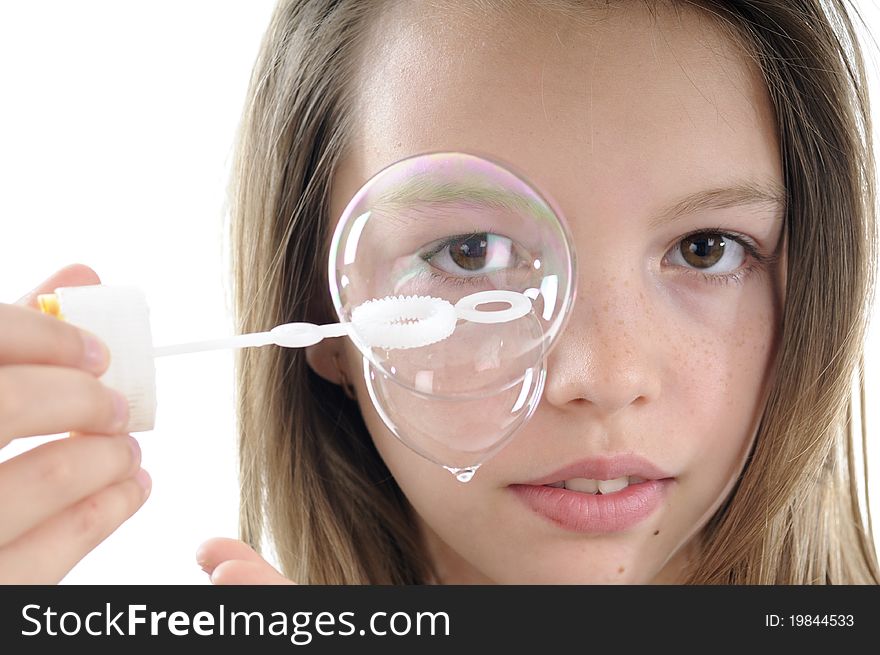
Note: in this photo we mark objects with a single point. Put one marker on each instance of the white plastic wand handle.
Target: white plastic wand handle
(290, 335)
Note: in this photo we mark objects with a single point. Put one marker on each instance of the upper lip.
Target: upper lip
(607, 467)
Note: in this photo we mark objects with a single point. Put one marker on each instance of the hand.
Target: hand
(232, 562)
(60, 499)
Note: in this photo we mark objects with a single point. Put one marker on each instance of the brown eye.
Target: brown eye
(703, 250)
(469, 253)
(711, 253)
(477, 252)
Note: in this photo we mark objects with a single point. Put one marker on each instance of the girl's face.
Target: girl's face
(620, 119)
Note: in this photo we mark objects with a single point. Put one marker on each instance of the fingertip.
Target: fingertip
(242, 572)
(75, 274)
(83, 274)
(145, 482)
(223, 548)
(213, 551)
(203, 556)
(95, 353)
(223, 572)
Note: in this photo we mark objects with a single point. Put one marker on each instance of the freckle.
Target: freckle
(620, 570)
(656, 532)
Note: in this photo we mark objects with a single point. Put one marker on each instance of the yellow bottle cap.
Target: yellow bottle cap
(49, 305)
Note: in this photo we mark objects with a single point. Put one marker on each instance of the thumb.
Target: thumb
(73, 275)
(230, 561)
(241, 572)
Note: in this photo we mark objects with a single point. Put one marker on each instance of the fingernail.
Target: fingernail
(120, 410)
(95, 356)
(144, 480)
(135, 449)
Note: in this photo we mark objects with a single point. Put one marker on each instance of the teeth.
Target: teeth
(585, 485)
(610, 486)
(582, 484)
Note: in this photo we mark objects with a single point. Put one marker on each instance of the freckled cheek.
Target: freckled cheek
(723, 361)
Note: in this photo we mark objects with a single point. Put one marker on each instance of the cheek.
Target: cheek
(716, 380)
(420, 479)
(456, 518)
(456, 513)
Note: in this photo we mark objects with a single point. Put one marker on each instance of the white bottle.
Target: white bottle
(120, 317)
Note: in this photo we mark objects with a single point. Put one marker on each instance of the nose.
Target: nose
(606, 358)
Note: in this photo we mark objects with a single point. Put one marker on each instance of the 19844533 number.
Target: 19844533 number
(809, 620)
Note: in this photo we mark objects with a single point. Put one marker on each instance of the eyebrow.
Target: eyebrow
(769, 194)
(419, 190)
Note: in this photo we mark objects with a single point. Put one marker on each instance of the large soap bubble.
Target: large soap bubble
(454, 277)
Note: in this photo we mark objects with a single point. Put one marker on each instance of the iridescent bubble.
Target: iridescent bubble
(456, 276)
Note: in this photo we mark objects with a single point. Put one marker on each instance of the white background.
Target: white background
(116, 132)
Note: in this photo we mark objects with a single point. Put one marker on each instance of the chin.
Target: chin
(620, 573)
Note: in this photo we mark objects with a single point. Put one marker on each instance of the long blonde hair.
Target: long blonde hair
(312, 480)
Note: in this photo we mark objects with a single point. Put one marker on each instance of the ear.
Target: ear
(319, 357)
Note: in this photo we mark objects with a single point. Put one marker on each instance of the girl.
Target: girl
(713, 162)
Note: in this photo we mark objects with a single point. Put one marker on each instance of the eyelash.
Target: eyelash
(443, 278)
(757, 261)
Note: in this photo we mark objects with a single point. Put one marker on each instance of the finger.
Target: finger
(38, 400)
(240, 572)
(73, 275)
(58, 474)
(47, 553)
(31, 337)
(220, 549)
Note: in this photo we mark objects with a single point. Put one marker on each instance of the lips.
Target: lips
(594, 514)
(605, 468)
(585, 512)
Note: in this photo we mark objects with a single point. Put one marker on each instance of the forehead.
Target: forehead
(619, 105)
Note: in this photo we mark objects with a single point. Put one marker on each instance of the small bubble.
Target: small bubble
(465, 475)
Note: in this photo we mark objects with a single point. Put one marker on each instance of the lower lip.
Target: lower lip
(594, 513)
